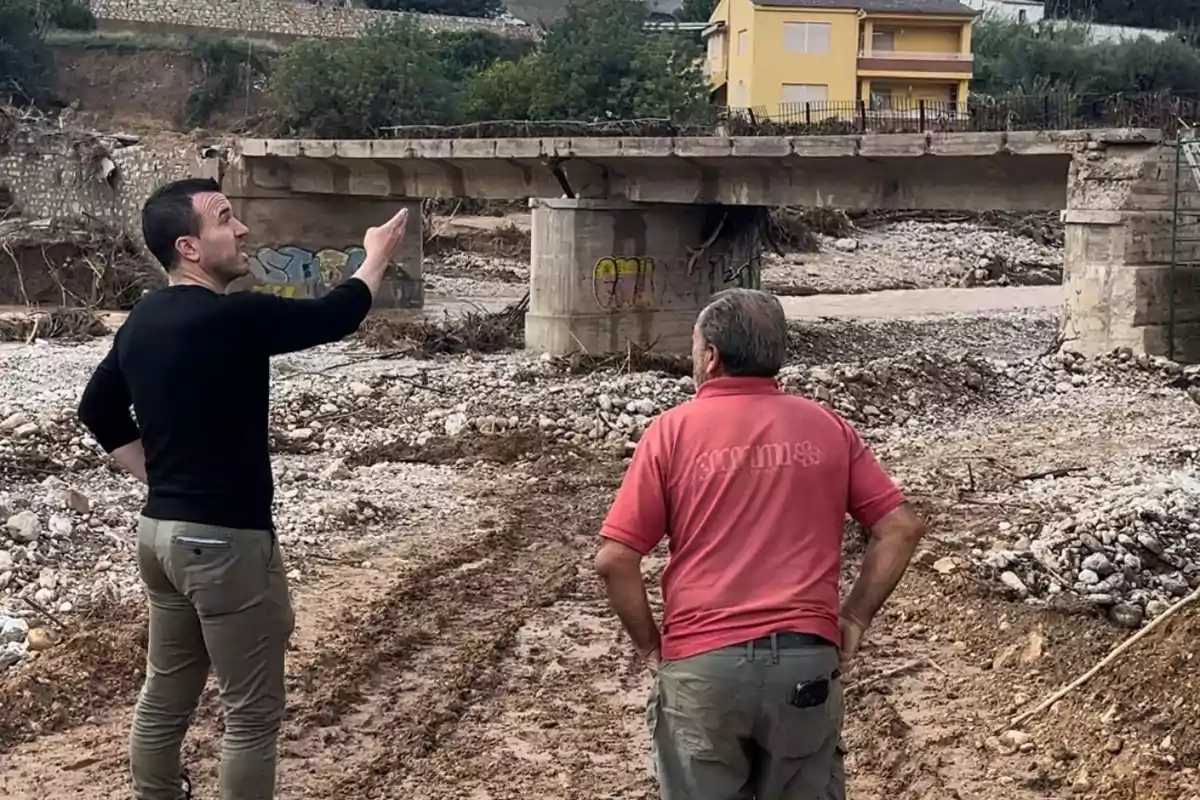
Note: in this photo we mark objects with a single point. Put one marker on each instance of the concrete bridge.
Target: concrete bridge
(632, 235)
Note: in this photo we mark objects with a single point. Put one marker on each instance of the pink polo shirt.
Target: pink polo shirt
(751, 487)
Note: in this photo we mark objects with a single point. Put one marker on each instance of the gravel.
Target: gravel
(915, 255)
(364, 449)
(1124, 541)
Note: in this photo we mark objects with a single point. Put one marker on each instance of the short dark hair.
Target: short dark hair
(169, 214)
(748, 328)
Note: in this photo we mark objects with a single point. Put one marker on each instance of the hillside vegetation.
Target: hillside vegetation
(596, 64)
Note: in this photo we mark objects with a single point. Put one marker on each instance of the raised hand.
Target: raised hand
(382, 240)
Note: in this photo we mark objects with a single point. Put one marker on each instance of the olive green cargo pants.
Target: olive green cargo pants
(218, 598)
(722, 725)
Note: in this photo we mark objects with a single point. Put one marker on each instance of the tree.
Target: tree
(668, 81)
(454, 8)
(465, 53)
(1165, 14)
(26, 64)
(696, 10)
(503, 91)
(392, 75)
(1047, 59)
(599, 62)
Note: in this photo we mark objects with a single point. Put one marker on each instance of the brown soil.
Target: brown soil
(100, 664)
(478, 659)
(141, 90)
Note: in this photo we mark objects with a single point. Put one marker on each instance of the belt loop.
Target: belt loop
(774, 648)
(750, 651)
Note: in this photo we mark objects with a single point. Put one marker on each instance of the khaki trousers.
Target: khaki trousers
(726, 725)
(218, 598)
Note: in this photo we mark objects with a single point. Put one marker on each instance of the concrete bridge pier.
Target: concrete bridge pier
(1123, 257)
(302, 245)
(607, 274)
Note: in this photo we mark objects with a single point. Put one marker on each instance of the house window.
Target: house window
(806, 37)
(883, 41)
(743, 42)
(800, 93)
(1022, 16)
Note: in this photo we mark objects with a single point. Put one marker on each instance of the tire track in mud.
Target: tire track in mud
(390, 691)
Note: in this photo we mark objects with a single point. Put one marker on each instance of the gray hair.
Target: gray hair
(749, 329)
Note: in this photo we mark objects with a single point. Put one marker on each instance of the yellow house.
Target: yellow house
(796, 54)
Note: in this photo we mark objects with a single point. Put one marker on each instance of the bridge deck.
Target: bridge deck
(993, 170)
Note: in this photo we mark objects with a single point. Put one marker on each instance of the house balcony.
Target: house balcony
(913, 61)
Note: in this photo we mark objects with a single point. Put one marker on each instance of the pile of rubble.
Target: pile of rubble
(1133, 549)
(66, 517)
(916, 255)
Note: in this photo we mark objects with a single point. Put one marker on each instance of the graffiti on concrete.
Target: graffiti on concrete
(297, 271)
(624, 282)
(628, 283)
(292, 271)
(741, 273)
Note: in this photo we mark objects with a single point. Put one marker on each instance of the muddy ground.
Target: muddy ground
(468, 653)
(452, 640)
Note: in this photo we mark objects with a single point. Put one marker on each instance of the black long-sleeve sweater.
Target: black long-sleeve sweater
(195, 366)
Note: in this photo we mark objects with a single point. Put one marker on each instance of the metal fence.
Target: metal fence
(1168, 112)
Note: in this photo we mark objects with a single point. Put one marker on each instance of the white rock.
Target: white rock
(456, 423)
(13, 629)
(335, 470)
(846, 245)
(10, 654)
(14, 421)
(6, 561)
(25, 431)
(60, 525)
(359, 389)
(24, 527)
(1013, 582)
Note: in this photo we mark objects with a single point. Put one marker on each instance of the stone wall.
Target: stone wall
(1127, 263)
(270, 18)
(63, 174)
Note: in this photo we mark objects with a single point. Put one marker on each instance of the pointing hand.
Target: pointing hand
(383, 240)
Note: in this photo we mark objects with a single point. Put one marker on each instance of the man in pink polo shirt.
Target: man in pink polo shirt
(751, 487)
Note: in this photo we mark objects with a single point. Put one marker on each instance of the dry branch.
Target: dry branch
(72, 324)
(475, 331)
(905, 667)
(1104, 662)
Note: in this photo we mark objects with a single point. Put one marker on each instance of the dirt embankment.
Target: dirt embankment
(142, 90)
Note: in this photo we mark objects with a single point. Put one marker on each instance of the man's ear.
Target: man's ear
(714, 359)
(188, 248)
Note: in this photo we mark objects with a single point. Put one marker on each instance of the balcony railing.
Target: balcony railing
(913, 55)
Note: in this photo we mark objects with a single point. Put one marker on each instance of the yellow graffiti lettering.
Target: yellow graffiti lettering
(332, 263)
(621, 282)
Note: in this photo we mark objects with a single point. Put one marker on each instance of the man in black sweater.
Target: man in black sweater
(193, 362)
